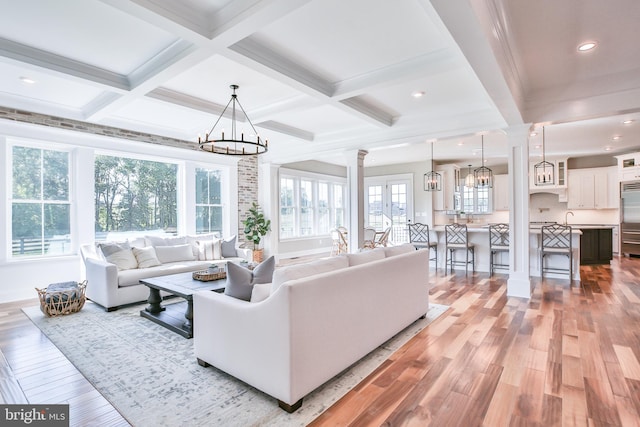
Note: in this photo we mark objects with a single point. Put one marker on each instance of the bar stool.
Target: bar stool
(419, 237)
(556, 240)
(456, 238)
(498, 243)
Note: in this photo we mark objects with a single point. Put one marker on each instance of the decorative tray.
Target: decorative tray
(207, 276)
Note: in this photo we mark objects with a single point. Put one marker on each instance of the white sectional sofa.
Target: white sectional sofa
(319, 318)
(116, 283)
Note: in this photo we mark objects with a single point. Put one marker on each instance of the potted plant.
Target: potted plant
(256, 226)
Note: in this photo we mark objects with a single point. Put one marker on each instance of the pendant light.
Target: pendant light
(483, 176)
(469, 181)
(432, 179)
(544, 171)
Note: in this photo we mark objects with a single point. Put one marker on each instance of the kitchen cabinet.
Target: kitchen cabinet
(445, 200)
(596, 246)
(501, 192)
(615, 240)
(594, 188)
(629, 167)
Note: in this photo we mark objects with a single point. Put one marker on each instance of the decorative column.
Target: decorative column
(247, 190)
(519, 282)
(355, 183)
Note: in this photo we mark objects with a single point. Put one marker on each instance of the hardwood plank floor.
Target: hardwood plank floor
(569, 356)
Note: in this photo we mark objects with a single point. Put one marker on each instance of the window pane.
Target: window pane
(202, 219)
(134, 195)
(55, 175)
(287, 222)
(57, 230)
(215, 189)
(26, 229)
(202, 186)
(26, 173)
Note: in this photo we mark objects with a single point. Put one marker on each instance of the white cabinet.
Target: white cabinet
(501, 192)
(445, 200)
(593, 188)
(629, 167)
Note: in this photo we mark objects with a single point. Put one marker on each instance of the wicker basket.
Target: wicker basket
(207, 276)
(69, 299)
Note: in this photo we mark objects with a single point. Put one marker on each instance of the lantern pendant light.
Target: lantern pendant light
(483, 176)
(544, 171)
(432, 179)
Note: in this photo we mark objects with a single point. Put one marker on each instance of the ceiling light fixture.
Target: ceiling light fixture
(628, 122)
(587, 46)
(27, 80)
(616, 137)
(483, 175)
(469, 181)
(432, 179)
(544, 171)
(418, 94)
(233, 146)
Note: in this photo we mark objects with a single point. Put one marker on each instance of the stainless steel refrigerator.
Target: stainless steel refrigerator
(630, 216)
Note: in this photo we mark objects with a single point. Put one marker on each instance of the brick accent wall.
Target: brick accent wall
(247, 166)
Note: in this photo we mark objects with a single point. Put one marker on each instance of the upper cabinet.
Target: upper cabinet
(449, 198)
(560, 171)
(501, 192)
(594, 188)
(629, 167)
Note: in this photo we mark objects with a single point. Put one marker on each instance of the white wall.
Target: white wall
(21, 276)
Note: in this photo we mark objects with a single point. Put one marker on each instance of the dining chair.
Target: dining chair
(382, 239)
(555, 239)
(456, 239)
(498, 245)
(369, 237)
(339, 242)
(420, 238)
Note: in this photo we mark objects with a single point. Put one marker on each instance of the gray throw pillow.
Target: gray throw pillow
(240, 280)
(228, 248)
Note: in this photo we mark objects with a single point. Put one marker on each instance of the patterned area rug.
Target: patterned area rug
(151, 376)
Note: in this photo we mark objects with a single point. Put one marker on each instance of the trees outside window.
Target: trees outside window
(134, 195)
(209, 201)
(40, 206)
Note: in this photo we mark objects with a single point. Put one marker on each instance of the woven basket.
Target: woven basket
(56, 303)
(207, 276)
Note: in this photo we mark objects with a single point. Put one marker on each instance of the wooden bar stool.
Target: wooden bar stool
(419, 237)
(556, 240)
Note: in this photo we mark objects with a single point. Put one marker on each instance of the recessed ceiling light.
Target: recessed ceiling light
(628, 122)
(607, 148)
(418, 94)
(617, 137)
(584, 47)
(537, 147)
(27, 80)
(460, 143)
(533, 133)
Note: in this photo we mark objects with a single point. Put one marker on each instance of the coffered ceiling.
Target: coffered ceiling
(319, 78)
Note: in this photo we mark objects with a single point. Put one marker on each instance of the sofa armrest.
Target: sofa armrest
(102, 282)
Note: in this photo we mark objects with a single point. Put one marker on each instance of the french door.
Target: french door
(388, 202)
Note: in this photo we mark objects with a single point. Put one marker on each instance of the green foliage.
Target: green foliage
(256, 226)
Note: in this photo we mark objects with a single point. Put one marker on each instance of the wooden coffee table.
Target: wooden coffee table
(176, 317)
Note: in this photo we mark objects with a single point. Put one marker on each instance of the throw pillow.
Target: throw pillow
(240, 280)
(209, 249)
(119, 254)
(174, 253)
(229, 248)
(146, 257)
(260, 292)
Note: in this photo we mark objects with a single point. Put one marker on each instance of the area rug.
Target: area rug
(150, 374)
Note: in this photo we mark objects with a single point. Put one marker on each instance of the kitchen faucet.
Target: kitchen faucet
(565, 216)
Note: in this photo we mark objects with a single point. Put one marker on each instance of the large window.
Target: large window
(134, 195)
(310, 204)
(40, 205)
(208, 201)
(475, 200)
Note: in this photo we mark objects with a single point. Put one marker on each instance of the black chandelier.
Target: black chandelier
(544, 171)
(233, 146)
(432, 179)
(483, 176)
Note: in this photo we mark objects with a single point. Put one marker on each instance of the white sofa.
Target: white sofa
(112, 287)
(320, 318)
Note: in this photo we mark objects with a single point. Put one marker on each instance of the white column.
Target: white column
(519, 282)
(355, 182)
(269, 199)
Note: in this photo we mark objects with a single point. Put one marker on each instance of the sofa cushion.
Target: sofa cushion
(146, 256)
(209, 249)
(174, 253)
(165, 241)
(399, 250)
(240, 280)
(133, 277)
(260, 292)
(228, 247)
(366, 256)
(119, 254)
(193, 240)
(298, 271)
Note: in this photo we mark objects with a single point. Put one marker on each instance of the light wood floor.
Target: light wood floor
(569, 356)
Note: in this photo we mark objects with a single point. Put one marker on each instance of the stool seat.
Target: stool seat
(419, 237)
(555, 239)
(456, 238)
(498, 244)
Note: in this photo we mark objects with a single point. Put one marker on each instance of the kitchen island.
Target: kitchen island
(479, 236)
